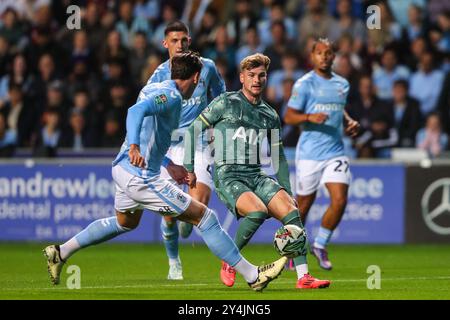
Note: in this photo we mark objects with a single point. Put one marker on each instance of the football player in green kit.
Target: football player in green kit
(242, 121)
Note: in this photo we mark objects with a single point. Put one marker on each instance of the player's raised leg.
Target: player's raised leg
(220, 243)
(202, 193)
(99, 231)
(254, 213)
(330, 220)
(282, 207)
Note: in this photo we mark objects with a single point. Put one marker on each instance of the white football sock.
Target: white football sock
(247, 270)
(301, 269)
(69, 248)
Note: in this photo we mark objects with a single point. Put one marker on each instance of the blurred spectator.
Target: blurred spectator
(112, 133)
(346, 47)
(81, 52)
(252, 45)
(444, 26)
(344, 68)
(418, 47)
(242, 19)
(204, 36)
(128, 25)
(290, 134)
(435, 7)
(92, 25)
(432, 138)
(12, 29)
(416, 27)
(276, 14)
(138, 56)
(76, 136)
(147, 9)
(47, 73)
(19, 74)
(377, 122)
(169, 14)
(56, 100)
(400, 9)
(222, 48)
(316, 22)
(279, 46)
(348, 25)
(389, 29)
(444, 104)
(113, 49)
(49, 135)
(20, 115)
(407, 115)
(42, 43)
(8, 139)
(384, 76)
(5, 55)
(426, 83)
(118, 98)
(290, 70)
(226, 74)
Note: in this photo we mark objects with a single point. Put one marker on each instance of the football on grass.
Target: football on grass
(289, 240)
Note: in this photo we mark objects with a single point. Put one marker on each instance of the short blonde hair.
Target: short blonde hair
(254, 61)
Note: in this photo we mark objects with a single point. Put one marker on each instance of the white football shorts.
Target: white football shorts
(310, 174)
(203, 163)
(155, 193)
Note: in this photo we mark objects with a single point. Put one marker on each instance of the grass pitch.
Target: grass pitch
(139, 271)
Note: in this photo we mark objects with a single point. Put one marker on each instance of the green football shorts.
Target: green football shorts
(233, 180)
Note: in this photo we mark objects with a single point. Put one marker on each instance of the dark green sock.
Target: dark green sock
(293, 217)
(247, 227)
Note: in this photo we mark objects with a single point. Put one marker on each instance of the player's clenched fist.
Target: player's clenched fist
(136, 159)
(318, 118)
(178, 173)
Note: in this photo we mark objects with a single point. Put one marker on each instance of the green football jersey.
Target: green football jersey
(241, 128)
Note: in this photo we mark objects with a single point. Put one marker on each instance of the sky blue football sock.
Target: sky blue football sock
(217, 240)
(170, 238)
(99, 231)
(323, 237)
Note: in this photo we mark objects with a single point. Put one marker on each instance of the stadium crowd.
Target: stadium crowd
(63, 88)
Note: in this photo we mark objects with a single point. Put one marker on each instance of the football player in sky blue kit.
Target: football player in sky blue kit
(210, 85)
(136, 172)
(317, 103)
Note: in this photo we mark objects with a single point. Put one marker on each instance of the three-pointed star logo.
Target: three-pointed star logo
(430, 211)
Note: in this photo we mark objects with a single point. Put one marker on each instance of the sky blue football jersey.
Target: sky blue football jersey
(314, 94)
(210, 86)
(150, 124)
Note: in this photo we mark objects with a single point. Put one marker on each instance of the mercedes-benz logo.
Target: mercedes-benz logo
(429, 214)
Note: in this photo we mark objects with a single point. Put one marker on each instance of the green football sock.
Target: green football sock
(247, 227)
(293, 217)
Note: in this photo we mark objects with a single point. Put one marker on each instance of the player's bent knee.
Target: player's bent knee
(194, 213)
(129, 220)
